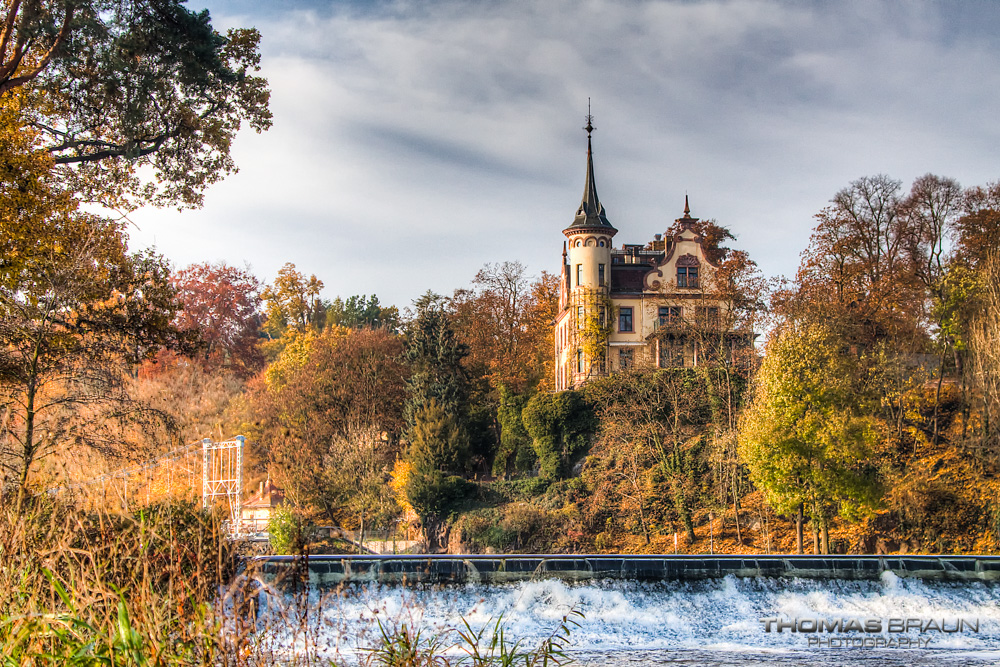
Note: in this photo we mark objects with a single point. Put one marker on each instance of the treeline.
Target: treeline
(869, 419)
(364, 412)
(876, 400)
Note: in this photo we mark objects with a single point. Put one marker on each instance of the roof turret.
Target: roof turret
(591, 214)
(687, 221)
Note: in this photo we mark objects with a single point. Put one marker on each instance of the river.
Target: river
(717, 622)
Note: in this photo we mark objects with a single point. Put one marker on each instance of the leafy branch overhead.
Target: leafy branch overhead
(114, 86)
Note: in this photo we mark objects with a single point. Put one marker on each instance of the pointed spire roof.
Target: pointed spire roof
(687, 220)
(590, 214)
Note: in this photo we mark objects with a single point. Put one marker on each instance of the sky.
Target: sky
(414, 142)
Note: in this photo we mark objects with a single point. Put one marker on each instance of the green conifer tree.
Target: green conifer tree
(435, 356)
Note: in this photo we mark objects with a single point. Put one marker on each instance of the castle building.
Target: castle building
(653, 305)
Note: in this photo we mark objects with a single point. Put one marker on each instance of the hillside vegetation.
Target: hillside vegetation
(865, 421)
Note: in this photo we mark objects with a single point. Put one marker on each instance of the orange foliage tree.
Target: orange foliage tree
(341, 383)
(221, 303)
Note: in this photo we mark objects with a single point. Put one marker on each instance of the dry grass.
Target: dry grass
(164, 587)
(91, 588)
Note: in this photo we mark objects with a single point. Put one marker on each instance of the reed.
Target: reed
(163, 587)
(489, 646)
(93, 588)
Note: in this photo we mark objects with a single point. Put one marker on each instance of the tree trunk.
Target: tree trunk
(815, 532)
(825, 525)
(736, 513)
(960, 370)
(798, 530)
(361, 534)
(937, 398)
(28, 453)
(689, 527)
(642, 522)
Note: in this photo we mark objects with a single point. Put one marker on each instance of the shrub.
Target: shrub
(289, 533)
(561, 426)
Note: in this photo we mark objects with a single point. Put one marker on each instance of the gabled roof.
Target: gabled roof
(267, 496)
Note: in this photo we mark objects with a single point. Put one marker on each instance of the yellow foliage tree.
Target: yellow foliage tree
(806, 437)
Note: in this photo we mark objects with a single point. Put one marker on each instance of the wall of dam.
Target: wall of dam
(325, 571)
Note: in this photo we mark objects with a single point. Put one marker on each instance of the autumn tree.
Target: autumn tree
(491, 320)
(356, 470)
(984, 342)
(543, 306)
(932, 209)
(293, 302)
(79, 313)
(338, 379)
(663, 414)
(807, 437)
(881, 271)
(857, 271)
(322, 388)
(115, 87)
(505, 321)
(978, 228)
(221, 303)
(969, 290)
(193, 401)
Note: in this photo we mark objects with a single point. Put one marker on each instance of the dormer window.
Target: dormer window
(687, 271)
(687, 276)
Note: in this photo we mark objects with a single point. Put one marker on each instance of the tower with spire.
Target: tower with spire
(641, 305)
(587, 269)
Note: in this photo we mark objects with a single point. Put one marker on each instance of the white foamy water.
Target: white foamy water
(714, 622)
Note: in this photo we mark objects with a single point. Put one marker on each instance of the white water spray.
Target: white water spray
(717, 620)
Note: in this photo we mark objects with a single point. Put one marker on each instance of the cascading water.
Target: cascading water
(709, 622)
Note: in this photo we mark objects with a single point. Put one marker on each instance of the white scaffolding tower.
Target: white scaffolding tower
(222, 475)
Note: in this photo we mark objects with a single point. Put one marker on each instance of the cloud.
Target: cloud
(415, 141)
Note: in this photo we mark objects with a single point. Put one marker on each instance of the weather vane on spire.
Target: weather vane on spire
(589, 127)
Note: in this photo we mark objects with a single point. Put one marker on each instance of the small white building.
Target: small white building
(257, 511)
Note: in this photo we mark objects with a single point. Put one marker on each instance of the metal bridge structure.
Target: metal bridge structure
(213, 470)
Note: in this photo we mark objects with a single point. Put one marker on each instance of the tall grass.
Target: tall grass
(163, 587)
(489, 646)
(92, 588)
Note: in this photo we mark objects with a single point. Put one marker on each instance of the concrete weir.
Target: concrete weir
(326, 571)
